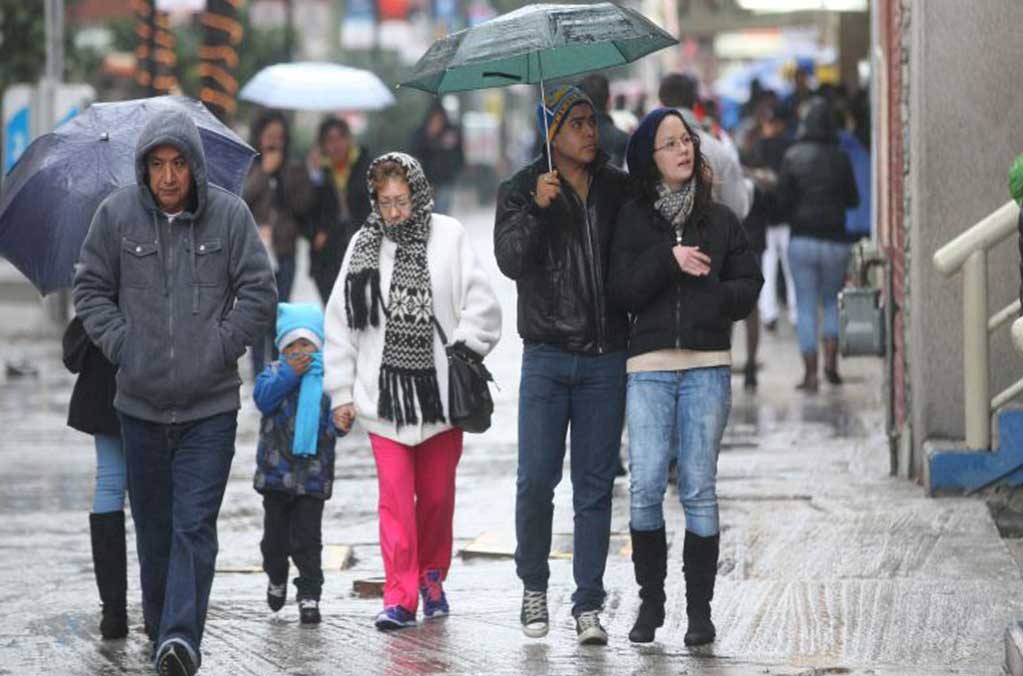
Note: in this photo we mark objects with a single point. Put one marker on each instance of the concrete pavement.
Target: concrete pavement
(828, 565)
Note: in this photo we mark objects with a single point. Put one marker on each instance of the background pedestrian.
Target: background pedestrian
(278, 192)
(437, 144)
(815, 188)
(337, 165)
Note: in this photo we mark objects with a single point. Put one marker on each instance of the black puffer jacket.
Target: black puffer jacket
(325, 215)
(672, 309)
(816, 183)
(558, 258)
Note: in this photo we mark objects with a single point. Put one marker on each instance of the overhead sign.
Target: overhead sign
(23, 110)
(17, 123)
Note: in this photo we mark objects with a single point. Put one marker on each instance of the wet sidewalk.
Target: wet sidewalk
(828, 566)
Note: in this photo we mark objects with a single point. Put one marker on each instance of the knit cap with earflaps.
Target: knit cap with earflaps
(559, 103)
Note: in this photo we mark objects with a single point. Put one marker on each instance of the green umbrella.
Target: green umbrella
(537, 43)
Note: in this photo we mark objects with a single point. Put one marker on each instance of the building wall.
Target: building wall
(891, 167)
(964, 103)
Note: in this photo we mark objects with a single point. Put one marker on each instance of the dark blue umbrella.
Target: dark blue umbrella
(50, 195)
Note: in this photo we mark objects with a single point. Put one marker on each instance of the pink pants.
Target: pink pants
(417, 505)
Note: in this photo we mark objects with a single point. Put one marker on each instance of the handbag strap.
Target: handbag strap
(440, 332)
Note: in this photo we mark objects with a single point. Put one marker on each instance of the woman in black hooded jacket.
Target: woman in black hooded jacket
(815, 187)
(682, 268)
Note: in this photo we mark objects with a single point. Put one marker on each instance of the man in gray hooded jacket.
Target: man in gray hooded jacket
(172, 284)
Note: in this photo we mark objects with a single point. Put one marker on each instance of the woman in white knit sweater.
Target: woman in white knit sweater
(385, 364)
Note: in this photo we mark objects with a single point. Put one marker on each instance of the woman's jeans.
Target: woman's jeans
(111, 475)
(682, 415)
(586, 392)
(818, 270)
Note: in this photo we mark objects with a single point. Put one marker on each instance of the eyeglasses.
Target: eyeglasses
(401, 204)
(673, 145)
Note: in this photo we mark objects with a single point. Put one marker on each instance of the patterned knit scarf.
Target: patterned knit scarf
(676, 206)
(407, 372)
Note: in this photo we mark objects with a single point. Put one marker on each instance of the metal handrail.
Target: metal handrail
(986, 233)
(1003, 316)
(968, 253)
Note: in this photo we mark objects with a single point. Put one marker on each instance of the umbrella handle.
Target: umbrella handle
(546, 128)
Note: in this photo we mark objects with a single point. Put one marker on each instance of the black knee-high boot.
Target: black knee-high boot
(110, 563)
(700, 563)
(650, 561)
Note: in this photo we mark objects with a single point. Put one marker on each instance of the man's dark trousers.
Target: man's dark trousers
(588, 391)
(177, 474)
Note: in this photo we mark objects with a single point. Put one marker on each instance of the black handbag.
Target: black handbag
(76, 346)
(469, 402)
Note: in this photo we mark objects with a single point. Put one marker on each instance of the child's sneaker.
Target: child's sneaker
(435, 603)
(309, 611)
(276, 595)
(395, 617)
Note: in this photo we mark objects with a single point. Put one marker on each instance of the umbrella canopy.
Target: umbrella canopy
(537, 43)
(50, 195)
(314, 85)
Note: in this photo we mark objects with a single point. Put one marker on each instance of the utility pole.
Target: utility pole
(289, 30)
(57, 304)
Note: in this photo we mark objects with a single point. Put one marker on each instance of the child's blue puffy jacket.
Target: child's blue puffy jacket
(276, 396)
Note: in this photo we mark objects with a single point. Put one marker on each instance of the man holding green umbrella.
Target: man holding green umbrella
(552, 236)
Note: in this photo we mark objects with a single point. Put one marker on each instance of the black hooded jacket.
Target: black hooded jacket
(559, 258)
(816, 184)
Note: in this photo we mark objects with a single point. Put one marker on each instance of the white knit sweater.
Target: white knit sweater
(463, 302)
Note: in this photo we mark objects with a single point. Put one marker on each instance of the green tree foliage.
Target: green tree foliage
(22, 41)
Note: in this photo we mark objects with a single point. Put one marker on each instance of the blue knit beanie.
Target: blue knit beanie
(559, 103)
(299, 320)
(640, 152)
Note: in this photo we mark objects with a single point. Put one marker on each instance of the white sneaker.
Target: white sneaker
(588, 630)
(535, 622)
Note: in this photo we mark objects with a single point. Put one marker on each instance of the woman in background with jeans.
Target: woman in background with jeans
(91, 410)
(815, 187)
(683, 269)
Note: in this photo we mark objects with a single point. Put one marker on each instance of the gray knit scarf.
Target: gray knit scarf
(407, 372)
(676, 206)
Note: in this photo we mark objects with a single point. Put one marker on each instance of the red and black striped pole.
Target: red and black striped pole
(222, 33)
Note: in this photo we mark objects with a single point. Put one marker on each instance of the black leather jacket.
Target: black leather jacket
(559, 257)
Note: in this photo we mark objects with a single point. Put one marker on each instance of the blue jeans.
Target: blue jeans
(443, 198)
(679, 414)
(177, 474)
(111, 478)
(558, 389)
(818, 272)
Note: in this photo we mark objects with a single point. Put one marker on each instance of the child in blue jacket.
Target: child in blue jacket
(295, 458)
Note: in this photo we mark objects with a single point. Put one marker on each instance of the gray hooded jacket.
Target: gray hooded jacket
(173, 304)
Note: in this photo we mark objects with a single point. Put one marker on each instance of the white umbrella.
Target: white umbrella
(315, 85)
